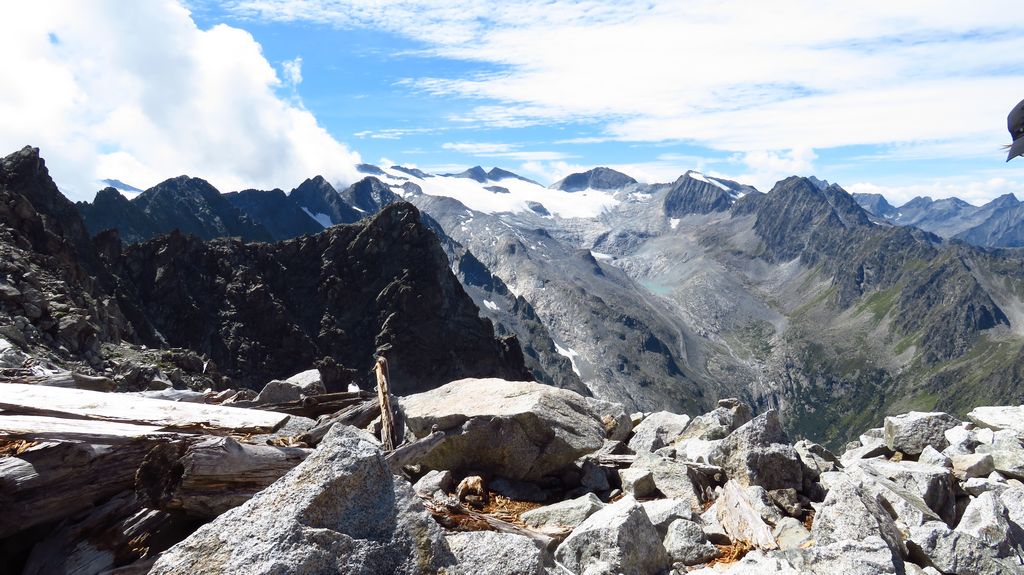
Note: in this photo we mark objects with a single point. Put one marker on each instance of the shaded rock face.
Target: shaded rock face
(318, 196)
(193, 206)
(340, 511)
(111, 210)
(692, 196)
(53, 285)
(265, 311)
(276, 211)
(518, 430)
(369, 196)
(597, 179)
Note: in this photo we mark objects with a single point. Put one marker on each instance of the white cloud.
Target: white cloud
(503, 150)
(477, 148)
(135, 91)
(292, 72)
(735, 76)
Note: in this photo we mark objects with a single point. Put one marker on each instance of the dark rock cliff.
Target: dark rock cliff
(263, 311)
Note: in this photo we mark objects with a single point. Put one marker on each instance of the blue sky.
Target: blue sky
(904, 99)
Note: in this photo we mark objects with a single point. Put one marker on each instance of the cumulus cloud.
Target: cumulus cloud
(292, 71)
(136, 91)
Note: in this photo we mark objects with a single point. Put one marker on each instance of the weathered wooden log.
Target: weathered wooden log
(413, 453)
(359, 415)
(117, 532)
(67, 379)
(207, 477)
(37, 427)
(388, 438)
(56, 480)
(317, 405)
(209, 419)
(448, 512)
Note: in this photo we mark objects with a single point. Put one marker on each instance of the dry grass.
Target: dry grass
(15, 447)
(809, 519)
(507, 509)
(731, 553)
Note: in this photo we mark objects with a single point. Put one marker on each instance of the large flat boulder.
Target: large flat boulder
(658, 430)
(491, 553)
(999, 417)
(911, 432)
(514, 429)
(339, 511)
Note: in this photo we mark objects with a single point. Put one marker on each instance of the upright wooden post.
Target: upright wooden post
(387, 416)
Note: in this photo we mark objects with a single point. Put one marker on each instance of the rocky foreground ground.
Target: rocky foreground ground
(517, 478)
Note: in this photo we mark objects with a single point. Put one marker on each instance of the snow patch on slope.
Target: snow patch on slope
(702, 178)
(571, 354)
(587, 203)
(322, 219)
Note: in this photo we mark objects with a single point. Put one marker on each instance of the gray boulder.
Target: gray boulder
(277, 391)
(934, 484)
(339, 511)
(569, 513)
(759, 453)
(662, 512)
(718, 423)
(675, 479)
(310, 382)
(904, 503)
(866, 556)
(617, 539)
(519, 430)
(987, 520)
(1007, 454)
(491, 553)
(433, 482)
(950, 551)
(790, 533)
(931, 456)
(998, 418)
(686, 543)
(971, 465)
(637, 482)
(617, 423)
(816, 458)
(657, 430)
(738, 514)
(910, 432)
(851, 513)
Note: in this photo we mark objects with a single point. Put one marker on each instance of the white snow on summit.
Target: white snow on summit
(583, 204)
(702, 178)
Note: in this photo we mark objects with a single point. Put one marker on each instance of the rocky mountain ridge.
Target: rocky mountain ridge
(674, 295)
(997, 224)
(258, 309)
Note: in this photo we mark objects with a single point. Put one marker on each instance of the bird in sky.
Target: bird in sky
(1015, 123)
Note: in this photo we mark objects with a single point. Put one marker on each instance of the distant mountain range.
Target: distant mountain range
(834, 308)
(997, 224)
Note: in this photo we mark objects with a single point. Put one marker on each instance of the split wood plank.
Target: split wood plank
(207, 477)
(38, 427)
(211, 419)
(51, 482)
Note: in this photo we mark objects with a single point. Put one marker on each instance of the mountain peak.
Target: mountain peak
(497, 174)
(475, 173)
(600, 178)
